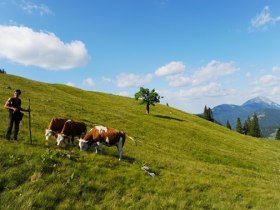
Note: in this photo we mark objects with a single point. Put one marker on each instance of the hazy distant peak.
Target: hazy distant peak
(262, 100)
(258, 100)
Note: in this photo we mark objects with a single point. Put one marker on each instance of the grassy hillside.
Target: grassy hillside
(200, 165)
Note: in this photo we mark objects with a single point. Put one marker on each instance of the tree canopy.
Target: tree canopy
(147, 97)
(208, 114)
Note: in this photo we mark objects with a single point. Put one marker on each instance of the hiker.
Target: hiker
(15, 114)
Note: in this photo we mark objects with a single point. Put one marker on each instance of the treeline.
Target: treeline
(250, 127)
(208, 114)
(2, 71)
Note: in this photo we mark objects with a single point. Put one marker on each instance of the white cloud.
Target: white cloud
(89, 82)
(194, 99)
(267, 80)
(24, 46)
(133, 80)
(123, 93)
(209, 90)
(275, 91)
(267, 85)
(276, 68)
(173, 67)
(31, 8)
(71, 84)
(106, 79)
(213, 70)
(179, 80)
(264, 19)
(267, 91)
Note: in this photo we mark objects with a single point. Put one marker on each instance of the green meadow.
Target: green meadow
(199, 164)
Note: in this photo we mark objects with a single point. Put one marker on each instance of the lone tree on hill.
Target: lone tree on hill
(277, 137)
(147, 97)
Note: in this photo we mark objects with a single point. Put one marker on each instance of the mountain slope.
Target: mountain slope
(269, 120)
(200, 165)
(260, 103)
(227, 112)
(267, 111)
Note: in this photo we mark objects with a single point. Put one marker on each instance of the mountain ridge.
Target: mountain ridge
(259, 105)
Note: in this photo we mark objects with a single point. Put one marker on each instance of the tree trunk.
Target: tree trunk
(148, 108)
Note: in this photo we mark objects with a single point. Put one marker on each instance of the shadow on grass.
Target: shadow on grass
(129, 159)
(125, 158)
(168, 117)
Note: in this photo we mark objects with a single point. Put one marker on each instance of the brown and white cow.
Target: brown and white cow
(55, 127)
(70, 130)
(100, 135)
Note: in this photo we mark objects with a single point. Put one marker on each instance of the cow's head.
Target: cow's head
(83, 144)
(48, 134)
(60, 138)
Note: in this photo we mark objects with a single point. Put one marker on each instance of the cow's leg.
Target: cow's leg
(120, 146)
(96, 148)
(99, 147)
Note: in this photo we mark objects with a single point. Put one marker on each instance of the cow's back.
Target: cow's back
(73, 128)
(57, 124)
(82, 128)
(112, 136)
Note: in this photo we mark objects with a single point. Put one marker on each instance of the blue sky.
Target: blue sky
(193, 52)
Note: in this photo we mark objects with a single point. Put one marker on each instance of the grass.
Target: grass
(200, 165)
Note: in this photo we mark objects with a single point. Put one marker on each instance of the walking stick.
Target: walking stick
(29, 117)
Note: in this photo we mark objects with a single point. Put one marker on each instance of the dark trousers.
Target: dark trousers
(13, 119)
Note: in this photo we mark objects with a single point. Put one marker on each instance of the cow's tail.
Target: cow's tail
(132, 139)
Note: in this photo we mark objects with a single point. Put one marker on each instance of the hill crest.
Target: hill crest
(194, 159)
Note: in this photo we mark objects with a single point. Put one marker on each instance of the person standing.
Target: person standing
(13, 104)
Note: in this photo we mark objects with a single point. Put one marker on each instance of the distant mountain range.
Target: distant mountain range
(268, 113)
